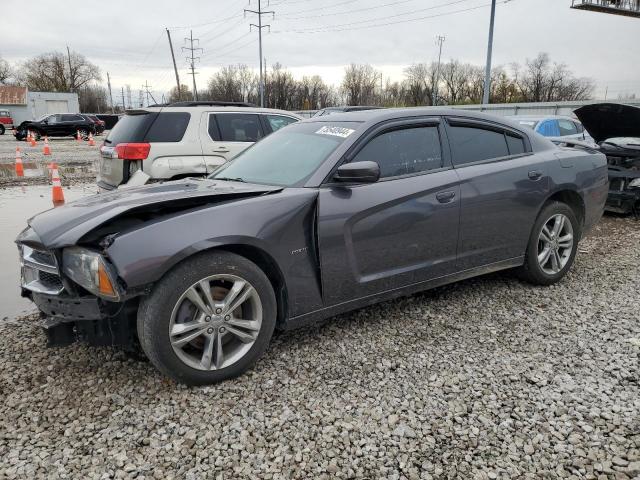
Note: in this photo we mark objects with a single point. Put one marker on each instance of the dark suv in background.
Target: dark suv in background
(98, 125)
(56, 125)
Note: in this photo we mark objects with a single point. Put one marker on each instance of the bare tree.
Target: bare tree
(185, 94)
(420, 79)
(57, 72)
(6, 72)
(454, 76)
(359, 84)
(93, 99)
(280, 88)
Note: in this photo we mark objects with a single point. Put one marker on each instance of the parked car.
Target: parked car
(555, 126)
(343, 109)
(322, 217)
(56, 125)
(6, 122)
(98, 125)
(182, 139)
(109, 119)
(616, 129)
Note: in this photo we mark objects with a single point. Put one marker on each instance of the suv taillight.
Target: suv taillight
(133, 151)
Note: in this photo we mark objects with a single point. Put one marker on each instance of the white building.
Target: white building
(24, 105)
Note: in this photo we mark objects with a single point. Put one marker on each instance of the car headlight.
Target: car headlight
(635, 183)
(89, 270)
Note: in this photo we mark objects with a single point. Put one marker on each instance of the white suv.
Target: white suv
(181, 140)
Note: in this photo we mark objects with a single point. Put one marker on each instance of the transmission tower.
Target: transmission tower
(192, 60)
(260, 26)
(439, 40)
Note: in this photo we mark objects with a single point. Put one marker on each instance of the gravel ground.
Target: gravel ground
(76, 161)
(489, 378)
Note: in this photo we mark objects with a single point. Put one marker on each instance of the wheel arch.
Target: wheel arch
(259, 256)
(572, 199)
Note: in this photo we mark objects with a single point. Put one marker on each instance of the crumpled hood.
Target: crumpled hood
(610, 120)
(65, 225)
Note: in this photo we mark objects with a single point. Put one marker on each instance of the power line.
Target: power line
(346, 12)
(350, 26)
(259, 26)
(192, 61)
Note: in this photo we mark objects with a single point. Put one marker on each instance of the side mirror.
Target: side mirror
(45, 121)
(358, 172)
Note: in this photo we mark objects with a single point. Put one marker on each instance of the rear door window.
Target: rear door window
(276, 122)
(239, 127)
(549, 128)
(474, 144)
(515, 144)
(168, 127)
(567, 127)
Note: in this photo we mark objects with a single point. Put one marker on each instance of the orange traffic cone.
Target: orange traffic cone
(46, 150)
(19, 168)
(32, 141)
(78, 136)
(57, 195)
(91, 142)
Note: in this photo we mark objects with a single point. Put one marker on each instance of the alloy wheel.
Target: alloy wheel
(215, 322)
(555, 244)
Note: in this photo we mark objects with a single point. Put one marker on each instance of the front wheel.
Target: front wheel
(1, 129)
(553, 245)
(209, 319)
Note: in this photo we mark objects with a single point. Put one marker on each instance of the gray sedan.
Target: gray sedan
(322, 217)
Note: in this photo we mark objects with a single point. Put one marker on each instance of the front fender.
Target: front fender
(281, 225)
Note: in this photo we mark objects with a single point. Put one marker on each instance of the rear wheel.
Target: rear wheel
(553, 245)
(1, 129)
(84, 133)
(209, 319)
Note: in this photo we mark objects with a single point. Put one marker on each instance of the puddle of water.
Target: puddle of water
(17, 204)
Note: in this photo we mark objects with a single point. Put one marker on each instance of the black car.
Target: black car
(319, 218)
(98, 125)
(56, 125)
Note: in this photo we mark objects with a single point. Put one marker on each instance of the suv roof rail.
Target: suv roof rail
(211, 103)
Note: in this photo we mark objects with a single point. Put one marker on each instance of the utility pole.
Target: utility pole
(175, 68)
(259, 26)
(440, 39)
(110, 94)
(487, 72)
(192, 61)
(141, 99)
(146, 87)
(124, 107)
(71, 79)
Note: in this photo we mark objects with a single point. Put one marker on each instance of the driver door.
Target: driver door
(401, 230)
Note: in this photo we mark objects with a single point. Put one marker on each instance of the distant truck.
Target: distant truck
(6, 122)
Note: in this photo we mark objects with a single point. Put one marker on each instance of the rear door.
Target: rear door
(398, 231)
(273, 122)
(502, 185)
(225, 134)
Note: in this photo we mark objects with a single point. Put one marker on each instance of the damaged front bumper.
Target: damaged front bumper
(86, 319)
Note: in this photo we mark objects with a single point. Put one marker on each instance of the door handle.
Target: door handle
(445, 197)
(221, 150)
(535, 175)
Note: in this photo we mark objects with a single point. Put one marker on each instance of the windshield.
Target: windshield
(289, 156)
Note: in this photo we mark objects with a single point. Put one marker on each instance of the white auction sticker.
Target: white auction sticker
(335, 131)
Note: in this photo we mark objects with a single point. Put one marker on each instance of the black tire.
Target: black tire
(155, 310)
(84, 133)
(532, 271)
(1, 129)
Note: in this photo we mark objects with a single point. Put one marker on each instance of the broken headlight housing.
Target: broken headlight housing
(90, 270)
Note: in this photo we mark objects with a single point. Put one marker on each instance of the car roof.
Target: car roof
(209, 108)
(381, 115)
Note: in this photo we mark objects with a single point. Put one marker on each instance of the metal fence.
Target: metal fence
(630, 8)
(504, 109)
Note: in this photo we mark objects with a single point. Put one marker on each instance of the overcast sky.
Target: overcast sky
(128, 39)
